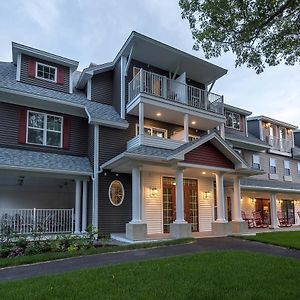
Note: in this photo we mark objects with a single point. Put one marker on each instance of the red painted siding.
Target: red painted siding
(208, 155)
(22, 125)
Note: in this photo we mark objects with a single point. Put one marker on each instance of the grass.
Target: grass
(215, 275)
(288, 239)
(22, 260)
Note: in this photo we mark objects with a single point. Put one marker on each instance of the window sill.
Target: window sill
(287, 178)
(273, 176)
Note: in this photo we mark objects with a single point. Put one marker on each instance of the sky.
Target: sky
(95, 30)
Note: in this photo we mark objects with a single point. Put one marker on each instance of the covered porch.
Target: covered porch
(49, 200)
(177, 193)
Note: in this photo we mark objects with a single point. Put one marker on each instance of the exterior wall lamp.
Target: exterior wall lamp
(153, 192)
(206, 195)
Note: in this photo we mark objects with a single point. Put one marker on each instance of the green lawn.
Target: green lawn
(288, 239)
(22, 260)
(215, 275)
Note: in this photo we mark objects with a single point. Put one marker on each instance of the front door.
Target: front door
(288, 210)
(191, 214)
(263, 206)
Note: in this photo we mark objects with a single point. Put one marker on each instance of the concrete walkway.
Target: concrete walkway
(99, 260)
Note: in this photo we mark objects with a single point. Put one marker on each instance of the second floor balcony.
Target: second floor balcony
(280, 144)
(175, 92)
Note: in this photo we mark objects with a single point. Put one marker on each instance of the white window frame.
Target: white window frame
(42, 78)
(44, 129)
(287, 166)
(239, 118)
(298, 169)
(193, 137)
(273, 165)
(256, 161)
(151, 129)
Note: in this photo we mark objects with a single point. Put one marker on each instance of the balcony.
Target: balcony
(279, 144)
(175, 92)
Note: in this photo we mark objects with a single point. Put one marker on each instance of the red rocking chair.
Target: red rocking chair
(250, 221)
(283, 222)
(258, 221)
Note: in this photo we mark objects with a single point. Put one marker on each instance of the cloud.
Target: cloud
(44, 13)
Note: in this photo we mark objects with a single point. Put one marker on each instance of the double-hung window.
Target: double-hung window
(153, 131)
(273, 169)
(46, 72)
(44, 129)
(287, 169)
(232, 120)
(256, 162)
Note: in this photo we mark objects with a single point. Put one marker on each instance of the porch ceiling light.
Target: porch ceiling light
(158, 114)
(193, 122)
(268, 125)
(241, 199)
(203, 173)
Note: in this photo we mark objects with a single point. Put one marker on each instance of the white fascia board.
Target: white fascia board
(271, 189)
(237, 109)
(42, 170)
(195, 166)
(107, 123)
(19, 48)
(246, 142)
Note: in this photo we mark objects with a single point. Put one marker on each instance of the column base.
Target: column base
(239, 227)
(182, 230)
(219, 228)
(136, 232)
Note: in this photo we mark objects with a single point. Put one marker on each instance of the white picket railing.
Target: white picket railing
(27, 221)
(161, 86)
(279, 144)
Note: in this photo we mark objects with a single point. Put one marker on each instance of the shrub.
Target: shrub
(22, 242)
(72, 248)
(5, 250)
(33, 249)
(16, 252)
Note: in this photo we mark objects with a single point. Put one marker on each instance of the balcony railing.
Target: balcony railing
(279, 144)
(161, 86)
(28, 221)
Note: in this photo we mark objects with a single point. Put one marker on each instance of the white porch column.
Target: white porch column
(236, 208)
(77, 206)
(179, 197)
(222, 131)
(274, 223)
(84, 206)
(136, 196)
(141, 118)
(220, 198)
(186, 128)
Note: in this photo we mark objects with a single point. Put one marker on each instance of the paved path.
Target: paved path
(98, 260)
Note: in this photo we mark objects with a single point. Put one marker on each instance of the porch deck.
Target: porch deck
(159, 237)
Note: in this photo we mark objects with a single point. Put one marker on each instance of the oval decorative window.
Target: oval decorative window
(116, 193)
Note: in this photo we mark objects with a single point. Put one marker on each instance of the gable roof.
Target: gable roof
(273, 121)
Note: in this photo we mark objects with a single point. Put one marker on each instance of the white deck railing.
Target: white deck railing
(161, 86)
(27, 221)
(279, 144)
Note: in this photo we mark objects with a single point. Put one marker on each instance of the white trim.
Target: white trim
(195, 166)
(123, 62)
(233, 114)
(18, 74)
(165, 131)
(47, 66)
(44, 129)
(123, 192)
(260, 188)
(248, 142)
(70, 81)
(95, 209)
(89, 89)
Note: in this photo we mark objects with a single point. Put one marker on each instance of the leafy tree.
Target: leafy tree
(258, 32)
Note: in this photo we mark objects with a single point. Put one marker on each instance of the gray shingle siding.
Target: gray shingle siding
(43, 83)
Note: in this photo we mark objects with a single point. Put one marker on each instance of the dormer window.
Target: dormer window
(233, 120)
(46, 72)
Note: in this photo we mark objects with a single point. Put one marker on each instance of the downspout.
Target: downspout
(96, 178)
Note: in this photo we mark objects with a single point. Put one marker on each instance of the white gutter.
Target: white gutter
(271, 189)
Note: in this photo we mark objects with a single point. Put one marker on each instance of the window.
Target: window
(298, 169)
(273, 169)
(46, 72)
(287, 169)
(256, 162)
(116, 193)
(159, 132)
(232, 120)
(44, 129)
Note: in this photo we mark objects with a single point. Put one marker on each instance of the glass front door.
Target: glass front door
(288, 211)
(191, 214)
(263, 206)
